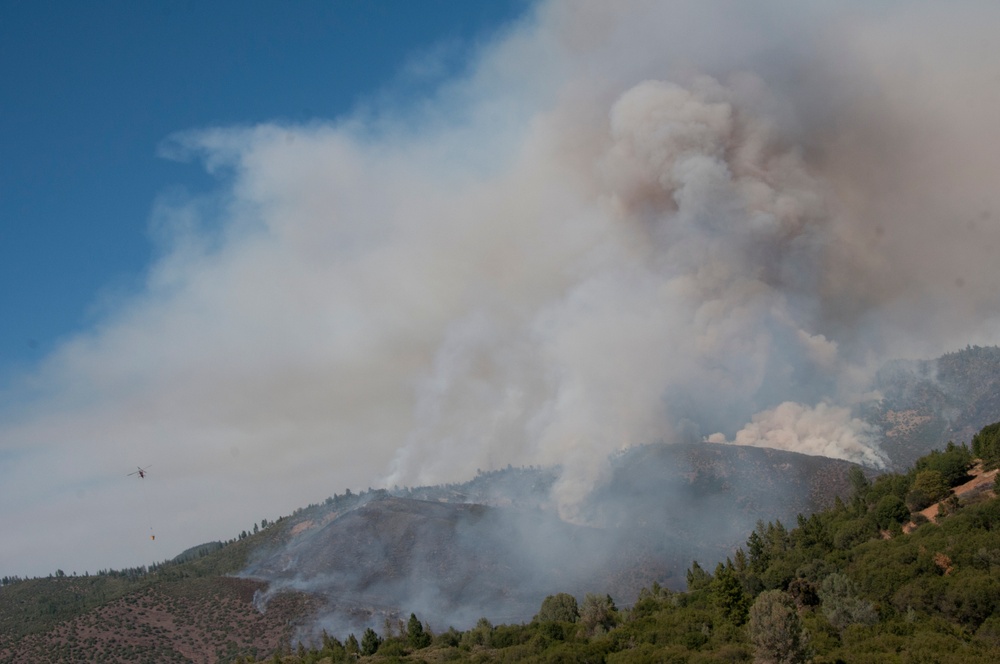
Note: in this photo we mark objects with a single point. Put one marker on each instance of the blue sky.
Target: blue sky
(280, 250)
(92, 89)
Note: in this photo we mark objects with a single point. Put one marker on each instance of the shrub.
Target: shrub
(842, 606)
(889, 510)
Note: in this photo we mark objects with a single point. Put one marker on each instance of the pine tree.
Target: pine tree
(370, 642)
(415, 633)
(728, 594)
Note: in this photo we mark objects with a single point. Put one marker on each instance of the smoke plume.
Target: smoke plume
(821, 431)
(624, 223)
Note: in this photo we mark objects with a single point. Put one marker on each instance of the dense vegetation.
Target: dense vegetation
(869, 580)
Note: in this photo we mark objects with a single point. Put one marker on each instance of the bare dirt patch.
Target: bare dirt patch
(981, 483)
(904, 422)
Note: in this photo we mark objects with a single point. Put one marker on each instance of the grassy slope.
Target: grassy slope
(176, 612)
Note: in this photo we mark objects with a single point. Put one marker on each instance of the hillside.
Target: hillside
(196, 620)
(926, 403)
(454, 562)
(380, 555)
(847, 585)
(356, 560)
(188, 609)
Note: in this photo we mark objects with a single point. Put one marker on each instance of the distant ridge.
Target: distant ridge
(455, 561)
(926, 403)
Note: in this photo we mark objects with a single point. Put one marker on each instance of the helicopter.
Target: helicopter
(141, 472)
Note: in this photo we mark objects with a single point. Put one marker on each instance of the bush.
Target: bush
(450, 639)
(890, 510)
(392, 648)
(842, 606)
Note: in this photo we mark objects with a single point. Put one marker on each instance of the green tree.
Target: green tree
(561, 607)
(841, 604)
(728, 594)
(331, 645)
(971, 600)
(480, 635)
(697, 577)
(889, 510)
(759, 557)
(775, 630)
(597, 612)
(370, 642)
(415, 633)
(853, 532)
(351, 645)
(776, 540)
(928, 488)
(986, 445)
(953, 463)
(860, 485)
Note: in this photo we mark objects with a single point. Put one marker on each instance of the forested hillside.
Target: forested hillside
(867, 580)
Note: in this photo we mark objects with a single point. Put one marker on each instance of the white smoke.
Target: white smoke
(823, 430)
(627, 222)
(668, 272)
